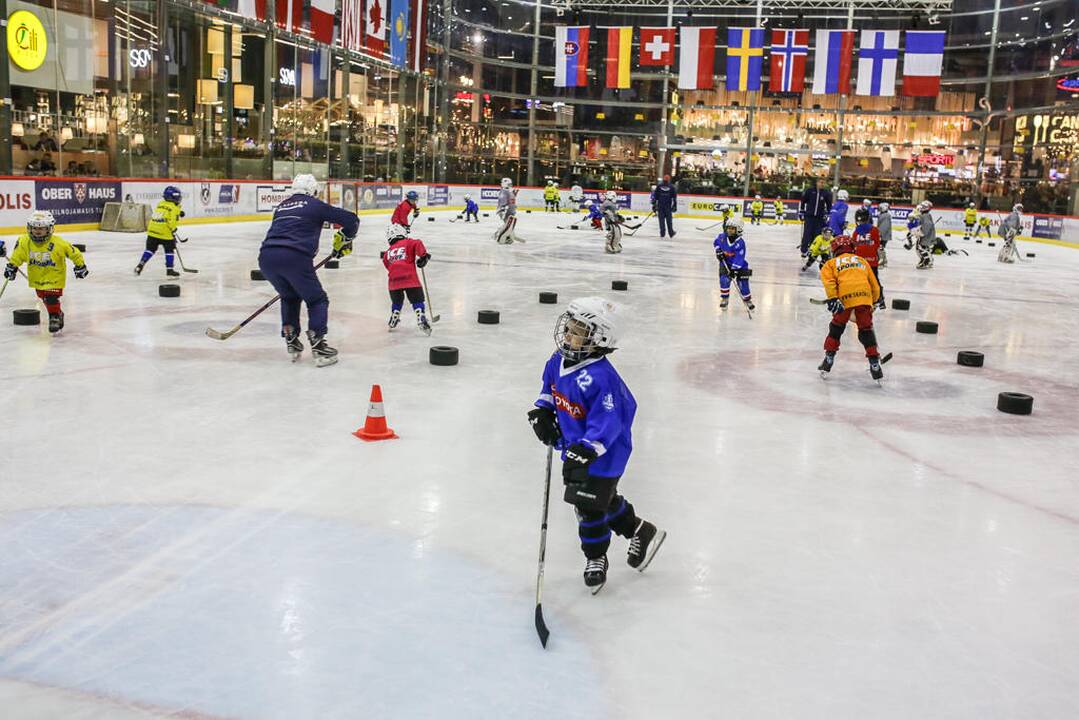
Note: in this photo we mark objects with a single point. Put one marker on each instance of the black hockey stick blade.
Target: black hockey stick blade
(435, 318)
(818, 301)
(541, 626)
(886, 358)
(187, 270)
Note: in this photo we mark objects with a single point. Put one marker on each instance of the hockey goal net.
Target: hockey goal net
(125, 217)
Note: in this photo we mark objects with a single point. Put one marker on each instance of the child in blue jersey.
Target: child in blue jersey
(730, 249)
(472, 210)
(586, 410)
(595, 214)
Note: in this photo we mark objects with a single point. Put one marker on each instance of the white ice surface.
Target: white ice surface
(188, 528)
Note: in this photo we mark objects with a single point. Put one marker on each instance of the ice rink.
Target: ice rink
(189, 529)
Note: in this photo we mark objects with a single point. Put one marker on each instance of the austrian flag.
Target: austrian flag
(923, 62)
(696, 58)
(571, 56)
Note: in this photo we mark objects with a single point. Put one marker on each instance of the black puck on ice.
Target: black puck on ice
(333, 264)
(1015, 403)
(992, 244)
(978, 241)
(430, 219)
(81, 247)
(970, 358)
(443, 355)
(1030, 255)
(27, 317)
(168, 290)
(528, 212)
(487, 317)
(573, 227)
(926, 327)
(619, 285)
(548, 298)
(487, 214)
(257, 275)
(900, 304)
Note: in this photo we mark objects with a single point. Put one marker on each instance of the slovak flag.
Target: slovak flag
(571, 56)
(657, 46)
(787, 71)
(831, 65)
(745, 56)
(878, 61)
(696, 58)
(923, 62)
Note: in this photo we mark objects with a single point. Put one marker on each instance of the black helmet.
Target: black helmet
(861, 216)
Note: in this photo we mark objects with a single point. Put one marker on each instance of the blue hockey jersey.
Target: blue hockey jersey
(735, 252)
(594, 212)
(837, 220)
(471, 206)
(594, 406)
(297, 223)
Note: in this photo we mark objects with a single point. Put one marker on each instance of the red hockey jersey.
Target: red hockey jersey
(867, 245)
(402, 215)
(400, 262)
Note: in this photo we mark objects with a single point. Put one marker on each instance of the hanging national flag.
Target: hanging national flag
(831, 66)
(289, 14)
(657, 46)
(374, 27)
(417, 11)
(351, 25)
(878, 61)
(790, 48)
(253, 9)
(745, 56)
(619, 45)
(922, 63)
(571, 56)
(399, 32)
(321, 19)
(696, 58)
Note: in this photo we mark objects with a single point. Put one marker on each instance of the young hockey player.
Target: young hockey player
(1008, 230)
(925, 232)
(983, 227)
(551, 197)
(884, 226)
(595, 214)
(586, 410)
(285, 260)
(161, 230)
(404, 255)
(837, 219)
(472, 210)
(46, 258)
(780, 211)
(970, 217)
(868, 205)
(866, 239)
(756, 209)
(820, 251)
(612, 220)
(851, 288)
(407, 210)
(507, 212)
(730, 249)
(576, 197)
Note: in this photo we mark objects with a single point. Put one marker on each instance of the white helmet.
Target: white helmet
(468, 196)
(1018, 207)
(734, 226)
(40, 220)
(395, 232)
(757, 197)
(550, 182)
(611, 195)
(589, 326)
(884, 207)
(305, 183)
(866, 202)
(925, 205)
(506, 183)
(843, 195)
(971, 205)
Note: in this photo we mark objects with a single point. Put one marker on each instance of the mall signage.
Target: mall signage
(27, 45)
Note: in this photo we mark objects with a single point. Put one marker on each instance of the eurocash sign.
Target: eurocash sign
(27, 45)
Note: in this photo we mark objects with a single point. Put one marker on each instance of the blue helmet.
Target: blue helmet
(412, 196)
(172, 194)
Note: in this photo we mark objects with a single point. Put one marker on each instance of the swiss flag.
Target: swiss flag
(374, 24)
(322, 12)
(657, 46)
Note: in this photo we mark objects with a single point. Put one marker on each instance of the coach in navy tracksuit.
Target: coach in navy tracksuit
(664, 203)
(813, 212)
(290, 245)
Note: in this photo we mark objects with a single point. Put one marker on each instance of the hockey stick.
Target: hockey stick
(218, 335)
(541, 626)
(430, 305)
(2, 289)
(182, 266)
(709, 227)
(637, 227)
(725, 265)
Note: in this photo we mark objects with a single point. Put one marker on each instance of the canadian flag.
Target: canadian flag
(321, 18)
(374, 24)
(657, 46)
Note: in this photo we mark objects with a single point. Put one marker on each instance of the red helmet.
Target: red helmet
(842, 244)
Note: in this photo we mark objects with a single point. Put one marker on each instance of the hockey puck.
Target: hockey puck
(900, 304)
(1015, 403)
(487, 214)
(27, 317)
(443, 355)
(430, 219)
(573, 227)
(81, 247)
(1030, 255)
(970, 358)
(993, 244)
(978, 241)
(548, 298)
(257, 275)
(528, 212)
(332, 264)
(619, 285)
(926, 327)
(487, 317)
(168, 290)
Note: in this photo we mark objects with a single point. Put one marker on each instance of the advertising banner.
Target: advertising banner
(438, 195)
(268, 197)
(75, 202)
(348, 197)
(16, 202)
(379, 197)
(1050, 228)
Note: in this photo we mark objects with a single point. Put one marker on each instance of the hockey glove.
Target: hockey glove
(575, 467)
(341, 245)
(3, 250)
(183, 214)
(545, 424)
(415, 212)
(81, 271)
(422, 260)
(10, 272)
(835, 305)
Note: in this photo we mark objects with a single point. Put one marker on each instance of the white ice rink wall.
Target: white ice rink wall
(78, 202)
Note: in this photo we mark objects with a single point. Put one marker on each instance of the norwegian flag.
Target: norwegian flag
(787, 71)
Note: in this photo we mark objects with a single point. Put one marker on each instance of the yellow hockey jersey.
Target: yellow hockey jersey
(166, 217)
(550, 193)
(849, 278)
(820, 246)
(45, 261)
(970, 215)
(757, 207)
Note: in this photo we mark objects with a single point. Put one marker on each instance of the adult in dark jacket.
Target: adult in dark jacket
(813, 212)
(664, 203)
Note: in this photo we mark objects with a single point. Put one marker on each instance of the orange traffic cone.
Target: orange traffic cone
(374, 428)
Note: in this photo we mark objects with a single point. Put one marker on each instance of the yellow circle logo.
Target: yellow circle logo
(26, 42)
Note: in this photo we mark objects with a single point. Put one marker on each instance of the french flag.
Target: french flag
(571, 56)
(832, 63)
(790, 48)
(696, 58)
(923, 62)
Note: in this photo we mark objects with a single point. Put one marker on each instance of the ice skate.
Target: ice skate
(421, 322)
(724, 302)
(749, 303)
(139, 267)
(826, 365)
(324, 354)
(875, 370)
(292, 342)
(171, 273)
(56, 322)
(595, 573)
(644, 545)
(395, 318)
